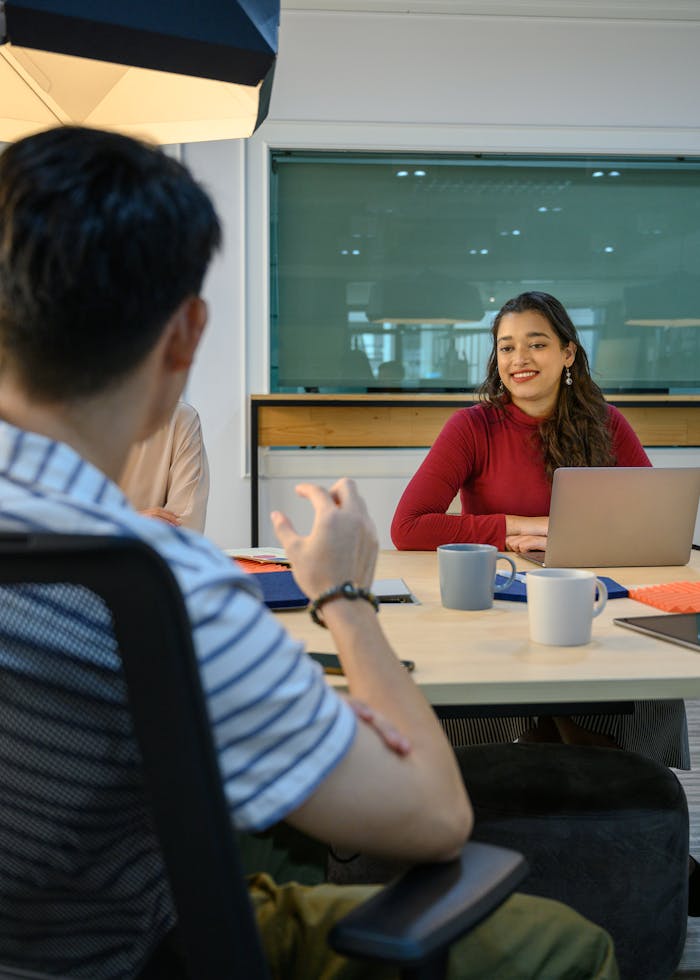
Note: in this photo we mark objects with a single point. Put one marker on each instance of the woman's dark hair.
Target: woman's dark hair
(577, 432)
(102, 237)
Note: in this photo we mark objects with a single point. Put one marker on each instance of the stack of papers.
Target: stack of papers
(259, 556)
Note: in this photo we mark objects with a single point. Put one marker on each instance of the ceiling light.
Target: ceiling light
(166, 71)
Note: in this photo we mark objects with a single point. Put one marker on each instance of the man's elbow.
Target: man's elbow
(453, 826)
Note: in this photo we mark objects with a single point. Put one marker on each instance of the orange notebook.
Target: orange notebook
(257, 567)
(674, 597)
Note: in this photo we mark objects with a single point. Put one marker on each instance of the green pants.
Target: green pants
(526, 939)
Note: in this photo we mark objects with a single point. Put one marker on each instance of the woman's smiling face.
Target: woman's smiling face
(531, 361)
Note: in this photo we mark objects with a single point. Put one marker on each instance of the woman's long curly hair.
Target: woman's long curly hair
(577, 433)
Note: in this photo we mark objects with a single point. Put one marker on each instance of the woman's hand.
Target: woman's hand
(525, 542)
(516, 526)
(526, 533)
(163, 515)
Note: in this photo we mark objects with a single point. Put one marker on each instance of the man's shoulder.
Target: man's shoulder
(192, 557)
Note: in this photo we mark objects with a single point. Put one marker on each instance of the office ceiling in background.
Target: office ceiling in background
(168, 70)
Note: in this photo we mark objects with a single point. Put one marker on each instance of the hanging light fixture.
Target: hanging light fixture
(167, 70)
(427, 297)
(673, 301)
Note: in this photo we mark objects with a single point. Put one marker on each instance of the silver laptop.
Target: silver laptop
(612, 516)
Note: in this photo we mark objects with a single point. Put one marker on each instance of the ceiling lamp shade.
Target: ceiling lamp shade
(429, 297)
(172, 71)
(673, 301)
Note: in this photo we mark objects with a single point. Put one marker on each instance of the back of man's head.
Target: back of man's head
(101, 238)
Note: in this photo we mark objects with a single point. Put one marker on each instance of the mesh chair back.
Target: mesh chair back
(96, 648)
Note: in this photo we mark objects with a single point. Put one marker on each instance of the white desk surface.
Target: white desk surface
(487, 658)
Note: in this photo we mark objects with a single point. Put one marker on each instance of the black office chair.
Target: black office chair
(603, 831)
(410, 924)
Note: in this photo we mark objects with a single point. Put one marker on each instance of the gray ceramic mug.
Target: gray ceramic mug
(468, 575)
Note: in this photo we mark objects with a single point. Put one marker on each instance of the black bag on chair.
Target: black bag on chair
(604, 831)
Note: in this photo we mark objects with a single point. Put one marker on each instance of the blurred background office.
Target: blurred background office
(451, 150)
(445, 78)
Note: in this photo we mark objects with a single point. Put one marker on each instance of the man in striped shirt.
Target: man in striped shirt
(104, 243)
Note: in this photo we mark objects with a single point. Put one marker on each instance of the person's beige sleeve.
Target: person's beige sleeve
(170, 470)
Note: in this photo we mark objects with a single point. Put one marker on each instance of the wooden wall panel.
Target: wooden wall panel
(369, 421)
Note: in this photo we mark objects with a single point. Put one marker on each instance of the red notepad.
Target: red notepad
(674, 597)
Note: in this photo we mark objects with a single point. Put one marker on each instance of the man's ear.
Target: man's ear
(186, 328)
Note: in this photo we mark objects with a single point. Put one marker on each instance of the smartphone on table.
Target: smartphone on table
(331, 664)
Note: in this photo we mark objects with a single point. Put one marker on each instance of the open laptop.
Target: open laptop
(612, 516)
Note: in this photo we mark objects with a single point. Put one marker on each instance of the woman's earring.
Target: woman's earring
(501, 388)
(568, 380)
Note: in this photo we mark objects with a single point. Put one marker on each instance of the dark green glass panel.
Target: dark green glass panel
(386, 270)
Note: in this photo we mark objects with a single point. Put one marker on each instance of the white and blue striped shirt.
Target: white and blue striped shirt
(82, 888)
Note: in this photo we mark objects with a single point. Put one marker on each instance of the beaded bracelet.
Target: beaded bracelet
(345, 591)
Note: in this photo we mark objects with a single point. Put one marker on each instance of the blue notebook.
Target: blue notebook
(280, 591)
(516, 590)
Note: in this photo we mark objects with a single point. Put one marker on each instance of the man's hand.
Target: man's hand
(342, 544)
(163, 515)
(392, 738)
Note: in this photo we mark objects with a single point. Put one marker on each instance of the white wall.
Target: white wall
(381, 478)
(455, 82)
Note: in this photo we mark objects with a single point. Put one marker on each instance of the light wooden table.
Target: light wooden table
(486, 658)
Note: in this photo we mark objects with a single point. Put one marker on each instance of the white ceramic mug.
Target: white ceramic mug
(562, 605)
(468, 575)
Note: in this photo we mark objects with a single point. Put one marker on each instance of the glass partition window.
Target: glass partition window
(386, 271)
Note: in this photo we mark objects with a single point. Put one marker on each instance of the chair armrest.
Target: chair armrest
(429, 907)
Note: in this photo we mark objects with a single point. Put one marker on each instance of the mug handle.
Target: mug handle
(599, 604)
(499, 586)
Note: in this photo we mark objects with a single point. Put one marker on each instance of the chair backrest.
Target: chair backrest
(170, 721)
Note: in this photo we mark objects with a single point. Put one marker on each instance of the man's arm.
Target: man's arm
(413, 807)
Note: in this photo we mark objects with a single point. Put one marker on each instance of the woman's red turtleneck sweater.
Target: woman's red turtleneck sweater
(493, 459)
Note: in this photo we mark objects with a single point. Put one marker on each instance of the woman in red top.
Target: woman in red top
(540, 410)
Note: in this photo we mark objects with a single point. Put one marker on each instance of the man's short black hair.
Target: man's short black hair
(101, 238)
